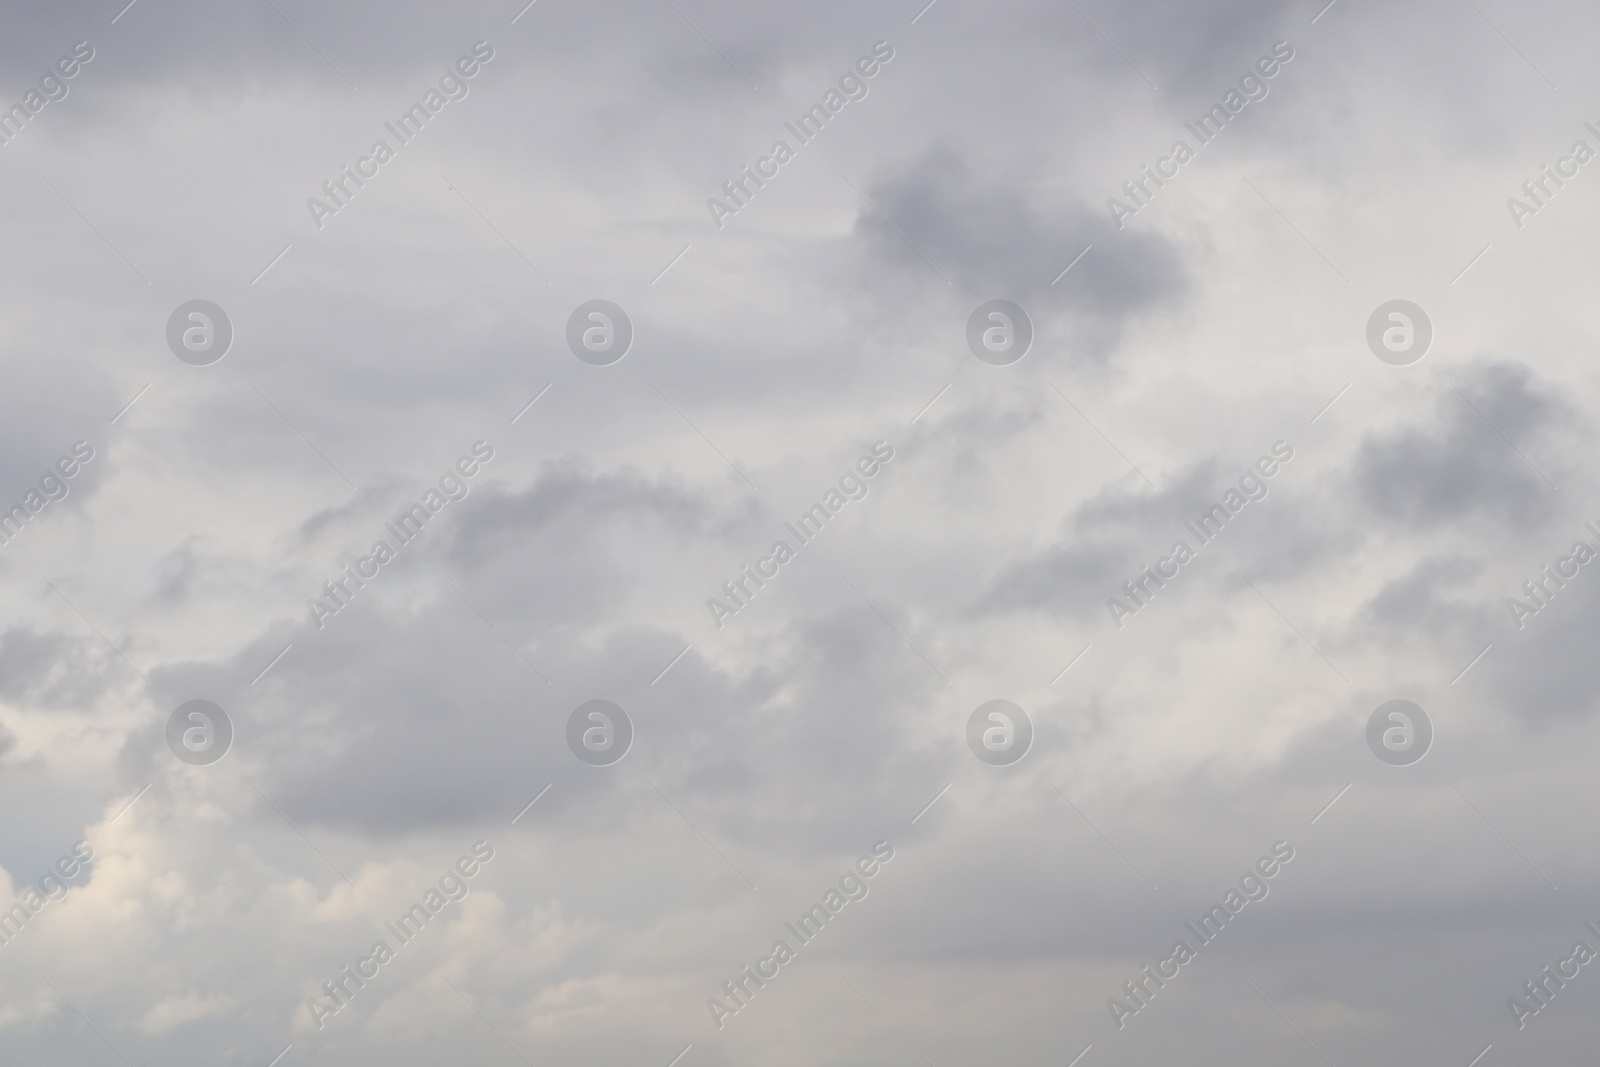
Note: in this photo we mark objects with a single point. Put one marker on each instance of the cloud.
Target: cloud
(177, 1011)
(1470, 464)
(431, 710)
(996, 239)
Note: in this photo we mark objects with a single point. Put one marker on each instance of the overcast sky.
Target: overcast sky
(413, 345)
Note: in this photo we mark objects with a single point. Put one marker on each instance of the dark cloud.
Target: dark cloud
(52, 671)
(571, 498)
(1542, 672)
(1060, 578)
(993, 239)
(1472, 462)
(1106, 540)
(1420, 600)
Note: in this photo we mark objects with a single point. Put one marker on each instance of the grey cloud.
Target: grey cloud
(41, 669)
(994, 240)
(1103, 541)
(1420, 600)
(353, 515)
(1462, 467)
(176, 576)
(469, 732)
(1187, 50)
(1544, 673)
(570, 496)
(557, 545)
(1060, 578)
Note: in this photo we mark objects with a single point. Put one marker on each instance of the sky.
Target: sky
(399, 663)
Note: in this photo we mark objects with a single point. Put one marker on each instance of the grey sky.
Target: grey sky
(374, 746)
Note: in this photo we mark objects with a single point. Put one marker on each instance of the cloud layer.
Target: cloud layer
(395, 710)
